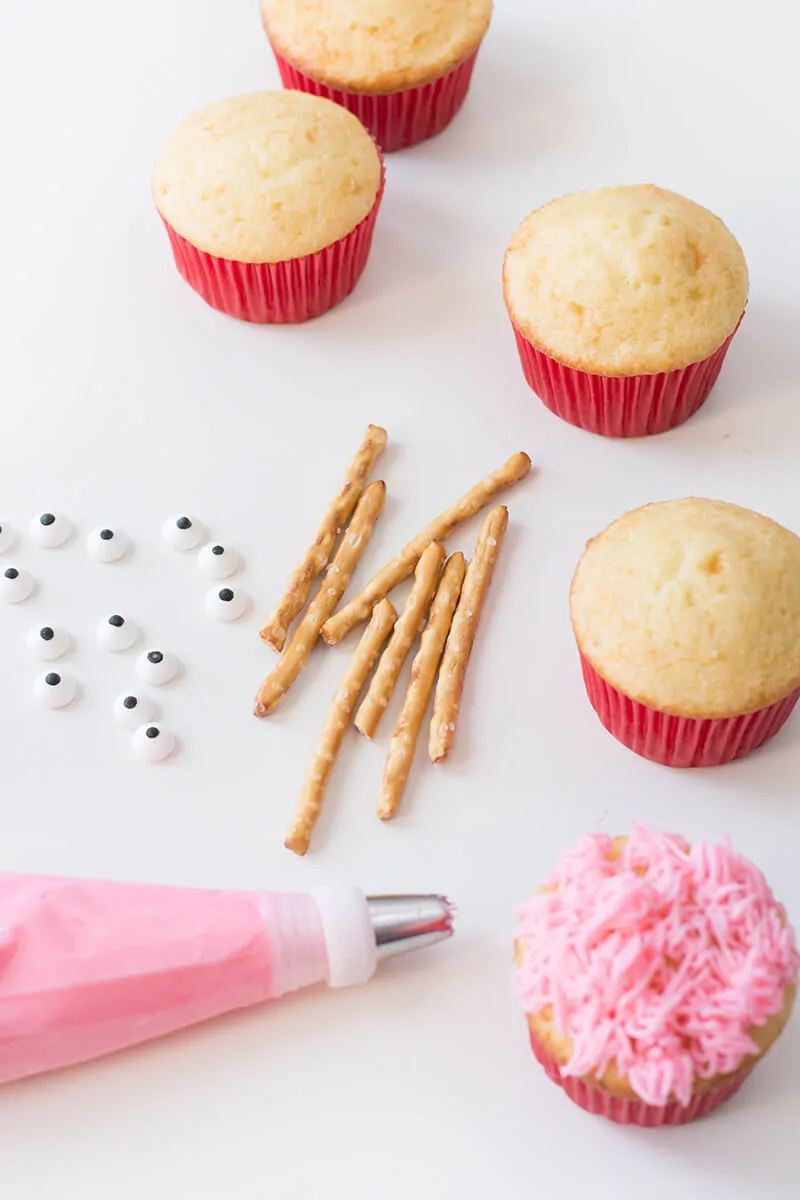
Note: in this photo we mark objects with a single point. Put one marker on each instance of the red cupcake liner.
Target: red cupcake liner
(595, 1100)
(620, 406)
(280, 293)
(395, 119)
(682, 741)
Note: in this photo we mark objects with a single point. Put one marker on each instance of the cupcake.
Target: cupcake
(270, 202)
(624, 301)
(403, 68)
(687, 619)
(654, 975)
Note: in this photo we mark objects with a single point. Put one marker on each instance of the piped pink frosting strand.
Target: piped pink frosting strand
(663, 972)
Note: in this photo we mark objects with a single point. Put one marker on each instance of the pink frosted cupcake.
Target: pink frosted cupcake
(624, 301)
(270, 201)
(687, 619)
(403, 68)
(654, 975)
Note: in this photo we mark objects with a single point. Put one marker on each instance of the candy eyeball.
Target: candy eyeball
(153, 742)
(7, 537)
(217, 562)
(55, 689)
(117, 633)
(156, 666)
(106, 545)
(133, 709)
(15, 585)
(226, 604)
(183, 533)
(50, 529)
(48, 642)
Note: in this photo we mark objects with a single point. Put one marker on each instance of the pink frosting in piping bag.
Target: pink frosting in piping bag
(88, 968)
(660, 960)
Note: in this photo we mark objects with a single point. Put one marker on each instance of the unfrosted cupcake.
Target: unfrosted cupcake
(687, 618)
(654, 975)
(270, 201)
(624, 301)
(402, 66)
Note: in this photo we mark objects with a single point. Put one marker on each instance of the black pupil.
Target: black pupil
(47, 519)
(52, 679)
(151, 731)
(106, 534)
(217, 549)
(116, 621)
(130, 702)
(46, 634)
(155, 656)
(12, 573)
(183, 523)
(226, 594)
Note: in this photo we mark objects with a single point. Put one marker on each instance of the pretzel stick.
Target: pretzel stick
(299, 582)
(450, 684)
(376, 701)
(337, 577)
(439, 529)
(423, 673)
(309, 806)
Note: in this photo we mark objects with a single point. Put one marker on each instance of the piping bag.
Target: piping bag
(88, 968)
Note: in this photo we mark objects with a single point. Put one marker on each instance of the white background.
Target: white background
(123, 399)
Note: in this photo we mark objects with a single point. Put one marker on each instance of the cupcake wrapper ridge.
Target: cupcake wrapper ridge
(634, 1112)
(620, 406)
(682, 741)
(282, 292)
(398, 119)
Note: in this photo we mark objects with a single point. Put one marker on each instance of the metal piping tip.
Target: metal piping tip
(403, 923)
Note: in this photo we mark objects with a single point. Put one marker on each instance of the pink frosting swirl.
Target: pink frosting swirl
(660, 960)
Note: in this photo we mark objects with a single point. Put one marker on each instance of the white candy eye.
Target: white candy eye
(183, 533)
(117, 633)
(15, 585)
(217, 562)
(106, 545)
(50, 530)
(153, 742)
(55, 689)
(156, 666)
(226, 604)
(48, 642)
(133, 709)
(7, 537)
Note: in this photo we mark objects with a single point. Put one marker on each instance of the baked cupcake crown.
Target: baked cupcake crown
(625, 281)
(267, 176)
(375, 45)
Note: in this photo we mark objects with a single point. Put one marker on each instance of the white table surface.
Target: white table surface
(123, 399)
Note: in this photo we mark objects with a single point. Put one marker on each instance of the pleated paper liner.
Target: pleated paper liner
(620, 406)
(283, 292)
(636, 1112)
(396, 119)
(682, 741)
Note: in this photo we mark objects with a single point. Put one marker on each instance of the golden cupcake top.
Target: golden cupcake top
(625, 280)
(375, 45)
(267, 176)
(692, 607)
